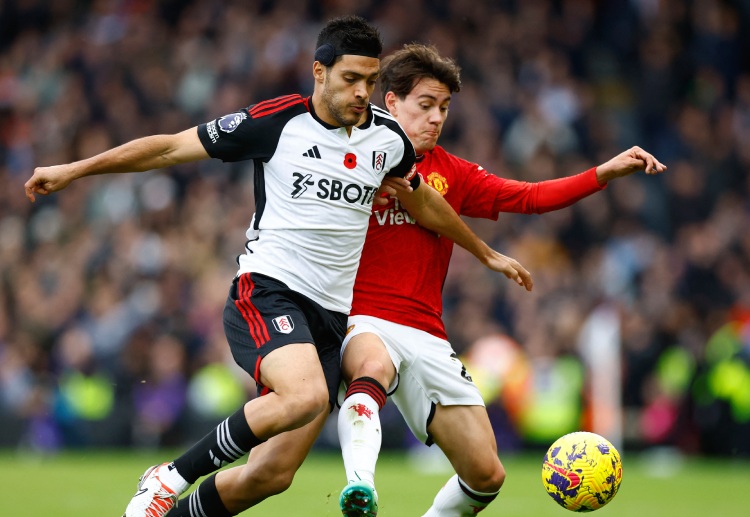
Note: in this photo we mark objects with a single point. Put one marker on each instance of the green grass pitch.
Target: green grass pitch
(100, 484)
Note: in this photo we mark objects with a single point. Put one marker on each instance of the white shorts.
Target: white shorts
(428, 372)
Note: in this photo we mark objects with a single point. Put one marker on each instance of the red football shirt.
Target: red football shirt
(403, 265)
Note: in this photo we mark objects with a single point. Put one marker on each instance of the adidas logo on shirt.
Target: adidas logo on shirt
(312, 153)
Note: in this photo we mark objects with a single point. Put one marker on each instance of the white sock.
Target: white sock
(360, 436)
(170, 477)
(456, 499)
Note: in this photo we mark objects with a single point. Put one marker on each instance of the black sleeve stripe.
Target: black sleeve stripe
(380, 110)
(259, 190)
(407, 162)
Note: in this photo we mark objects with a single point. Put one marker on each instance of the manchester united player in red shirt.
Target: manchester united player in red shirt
(396, 342)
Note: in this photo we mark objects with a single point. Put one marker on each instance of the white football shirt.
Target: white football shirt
(314, 188)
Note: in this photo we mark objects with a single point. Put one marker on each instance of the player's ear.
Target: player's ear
(319, 71)
(390, 103)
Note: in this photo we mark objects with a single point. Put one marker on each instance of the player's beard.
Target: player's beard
(336, 110)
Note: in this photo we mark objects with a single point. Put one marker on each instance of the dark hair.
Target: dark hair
(347, 35)
(401, 71)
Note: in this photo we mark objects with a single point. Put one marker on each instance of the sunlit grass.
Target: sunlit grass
(100, 484)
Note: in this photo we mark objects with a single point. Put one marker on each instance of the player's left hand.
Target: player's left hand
(511, 268)
(633, 160)
(391, 186)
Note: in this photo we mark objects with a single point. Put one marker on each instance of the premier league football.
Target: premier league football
(582, 471)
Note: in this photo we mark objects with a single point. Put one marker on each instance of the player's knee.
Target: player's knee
(498, 478)
(304, 406)
(374, 369)
(487, 478)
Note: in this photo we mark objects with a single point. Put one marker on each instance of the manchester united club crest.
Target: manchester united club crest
(361, 410)
(438, 182)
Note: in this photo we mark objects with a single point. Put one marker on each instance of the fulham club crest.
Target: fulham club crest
(378, 161)
(283, 324)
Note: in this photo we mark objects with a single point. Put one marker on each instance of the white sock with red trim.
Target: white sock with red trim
(359, 429)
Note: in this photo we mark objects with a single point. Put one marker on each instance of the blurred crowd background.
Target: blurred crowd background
(111, 292)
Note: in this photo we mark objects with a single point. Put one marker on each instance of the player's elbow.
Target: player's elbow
(179, 148)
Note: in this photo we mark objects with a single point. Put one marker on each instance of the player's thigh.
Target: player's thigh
(270, 467)
(435, 376)
(365, 354)
(293, 369)
(281, 337)
(265, 325)
(465, 435)
(376, 348)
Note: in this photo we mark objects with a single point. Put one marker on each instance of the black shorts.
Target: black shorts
(263, 314)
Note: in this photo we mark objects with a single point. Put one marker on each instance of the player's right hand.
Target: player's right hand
(511, 268)
(390, 187)
(47, 180)
(626, 163)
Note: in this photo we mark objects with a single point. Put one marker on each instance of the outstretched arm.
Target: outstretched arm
(544, 196)
(433, 212)
(143, 154)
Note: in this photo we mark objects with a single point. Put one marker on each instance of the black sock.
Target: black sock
(203, 502)
(231, 440)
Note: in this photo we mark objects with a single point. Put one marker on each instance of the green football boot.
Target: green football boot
(359, 499)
